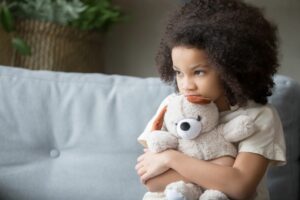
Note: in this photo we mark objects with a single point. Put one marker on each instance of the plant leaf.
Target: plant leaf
(6, 19)
(21, 46)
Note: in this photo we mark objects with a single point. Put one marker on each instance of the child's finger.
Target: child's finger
(140, 158)
(138, 166)
(141, 172)
(144, 178)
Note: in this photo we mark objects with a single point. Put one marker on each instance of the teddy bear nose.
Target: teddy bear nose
(185, 126)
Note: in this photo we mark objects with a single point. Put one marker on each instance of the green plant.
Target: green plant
(58, 11)
(7, 23)
(97, 15)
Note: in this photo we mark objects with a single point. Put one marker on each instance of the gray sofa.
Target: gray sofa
(72, 136)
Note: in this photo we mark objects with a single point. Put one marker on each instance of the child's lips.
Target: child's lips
(191, 94)
(198, 99)
(195, 95)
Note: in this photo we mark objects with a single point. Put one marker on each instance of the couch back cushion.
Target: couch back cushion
(284, 181)
(73, 136)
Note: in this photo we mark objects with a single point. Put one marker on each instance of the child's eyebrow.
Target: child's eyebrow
(200, 65)
(194, 67)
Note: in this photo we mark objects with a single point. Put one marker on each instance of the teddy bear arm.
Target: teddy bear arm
(238, 128)
(160, 141)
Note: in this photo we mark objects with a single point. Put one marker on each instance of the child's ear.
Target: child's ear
(159, 120)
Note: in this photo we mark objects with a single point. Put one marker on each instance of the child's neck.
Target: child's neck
(222, 104)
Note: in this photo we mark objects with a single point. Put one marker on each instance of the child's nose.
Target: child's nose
(188, 84)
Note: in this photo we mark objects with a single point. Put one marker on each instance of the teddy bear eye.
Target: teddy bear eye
(199, 118)
(189, 128)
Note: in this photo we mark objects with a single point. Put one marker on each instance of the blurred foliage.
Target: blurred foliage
(96, 15)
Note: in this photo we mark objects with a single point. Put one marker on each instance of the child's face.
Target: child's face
(195, 74)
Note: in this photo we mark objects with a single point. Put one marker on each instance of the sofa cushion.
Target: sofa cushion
(284, 181)
(72, 136)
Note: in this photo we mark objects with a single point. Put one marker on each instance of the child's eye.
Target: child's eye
(178, 73)
(199, 72)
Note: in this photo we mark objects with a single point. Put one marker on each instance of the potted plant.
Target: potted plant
(63, 35)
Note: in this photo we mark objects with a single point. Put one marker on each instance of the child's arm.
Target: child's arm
(238, 182)
(158, 183)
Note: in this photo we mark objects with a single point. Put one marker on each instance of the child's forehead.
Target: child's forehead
(189, 57)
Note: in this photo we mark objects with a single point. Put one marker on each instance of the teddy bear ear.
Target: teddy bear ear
(159, 120)
(196, 99)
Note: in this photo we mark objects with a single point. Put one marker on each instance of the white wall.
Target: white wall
(131, 46)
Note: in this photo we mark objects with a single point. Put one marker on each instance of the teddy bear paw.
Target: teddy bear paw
(182, 191)
(213, 195)
(159, 141)
(172, 194)
(247, 126)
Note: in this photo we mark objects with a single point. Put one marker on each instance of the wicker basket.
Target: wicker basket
(59, 48)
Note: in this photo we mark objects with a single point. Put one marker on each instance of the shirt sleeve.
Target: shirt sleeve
(268, 140)
(143, 137)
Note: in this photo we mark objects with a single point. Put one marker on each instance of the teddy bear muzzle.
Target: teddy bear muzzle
(189, 128)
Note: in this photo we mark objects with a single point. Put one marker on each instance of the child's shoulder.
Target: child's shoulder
(254, 110)
(268, 139)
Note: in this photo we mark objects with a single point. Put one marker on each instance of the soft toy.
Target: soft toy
(190, 125)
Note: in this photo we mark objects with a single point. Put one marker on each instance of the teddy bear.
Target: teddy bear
(191, 125)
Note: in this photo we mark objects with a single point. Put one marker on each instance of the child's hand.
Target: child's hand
(151, 164)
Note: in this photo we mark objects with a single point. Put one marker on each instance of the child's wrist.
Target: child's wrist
(170, 157)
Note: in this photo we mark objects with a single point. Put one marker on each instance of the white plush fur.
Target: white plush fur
(213, 140)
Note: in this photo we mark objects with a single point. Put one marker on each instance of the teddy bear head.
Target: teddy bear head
(187, 120)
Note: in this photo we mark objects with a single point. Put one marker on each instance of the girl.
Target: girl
(224, 50)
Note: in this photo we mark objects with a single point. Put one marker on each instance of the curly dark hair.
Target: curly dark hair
(240, 42)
